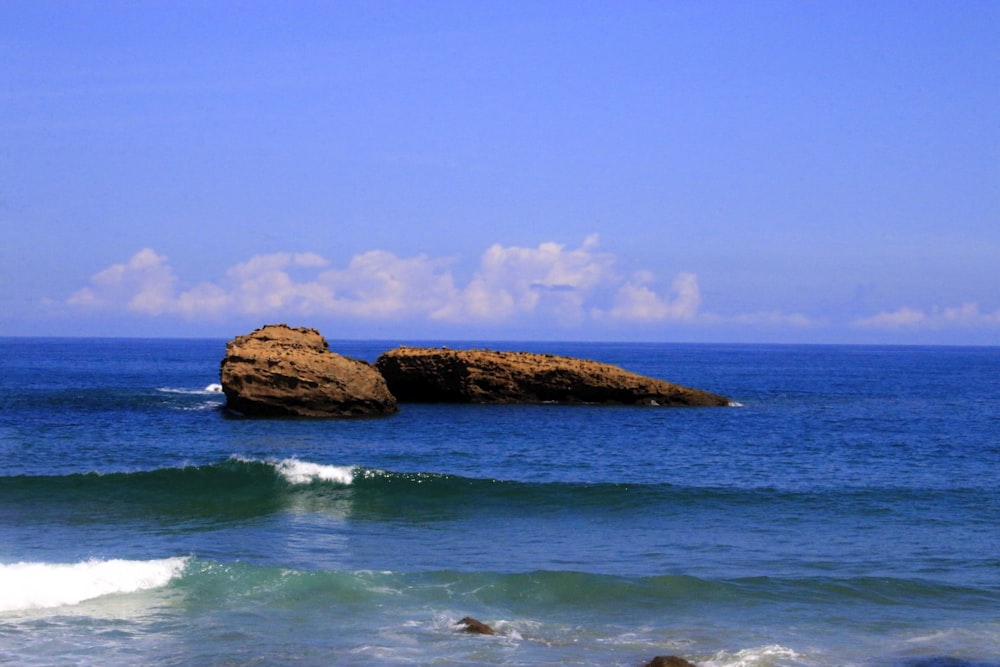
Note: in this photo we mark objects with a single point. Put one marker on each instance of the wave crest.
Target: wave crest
(304, 472)
(30, 585)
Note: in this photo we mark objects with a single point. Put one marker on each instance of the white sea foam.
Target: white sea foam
(204, 405)
(26, 586)
(735, 404)
(761, 656)
(213, 388)
(304, 472)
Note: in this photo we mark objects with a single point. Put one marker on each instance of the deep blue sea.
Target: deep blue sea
(845, 510)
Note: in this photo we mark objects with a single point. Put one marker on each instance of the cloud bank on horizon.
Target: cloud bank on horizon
(510, 282)
(570, 287)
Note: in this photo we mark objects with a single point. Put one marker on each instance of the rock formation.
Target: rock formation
(668, 661)
(278, 371)
(486, 376)
(470, 624)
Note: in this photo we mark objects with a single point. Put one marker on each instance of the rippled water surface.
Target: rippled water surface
(844, 512)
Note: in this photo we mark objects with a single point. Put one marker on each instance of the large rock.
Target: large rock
(668, 661)
(278, 371)
(486, 376)
(475, 627)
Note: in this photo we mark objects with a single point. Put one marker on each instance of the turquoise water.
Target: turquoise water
(844, 511)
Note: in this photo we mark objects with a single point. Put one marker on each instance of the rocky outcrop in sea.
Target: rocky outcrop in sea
(416, 374)
(280, 371)
(668, 661)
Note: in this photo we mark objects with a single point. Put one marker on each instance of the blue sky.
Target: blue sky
(665, 171)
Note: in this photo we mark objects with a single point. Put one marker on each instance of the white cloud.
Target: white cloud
(379, 284)
(635, 301)
(548, 283)
(144, 284)
(515, 280)
(263, 285)
(904, 317)
(775, 318)
(966, 315)
(205, 299)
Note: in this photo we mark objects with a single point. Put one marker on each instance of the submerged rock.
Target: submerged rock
(441, 375)
(280, 371)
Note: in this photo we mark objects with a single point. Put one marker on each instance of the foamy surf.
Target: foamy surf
(25, 586)
(304, 472)
(762, 656)
(213, 388)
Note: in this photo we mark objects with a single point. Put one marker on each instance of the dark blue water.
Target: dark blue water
(844, 511)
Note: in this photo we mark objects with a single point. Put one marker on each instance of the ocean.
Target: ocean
(845, 510)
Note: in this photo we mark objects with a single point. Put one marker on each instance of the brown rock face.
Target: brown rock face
(470, 624)
(668, 661)
(278, 371)
(485, 376)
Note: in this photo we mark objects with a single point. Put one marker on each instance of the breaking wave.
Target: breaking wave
(25, 586)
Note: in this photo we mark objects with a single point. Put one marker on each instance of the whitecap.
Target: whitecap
(304, 472)
(33, 585)
(213, 388)
(761, 656)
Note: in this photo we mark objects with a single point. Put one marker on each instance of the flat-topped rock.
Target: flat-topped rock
(280, 371)
(485, 376)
